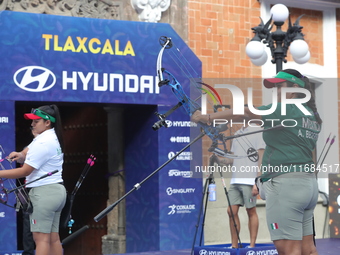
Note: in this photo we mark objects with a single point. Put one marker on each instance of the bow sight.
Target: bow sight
(162, 117)
(160, 123)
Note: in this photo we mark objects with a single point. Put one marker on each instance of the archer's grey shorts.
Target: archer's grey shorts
(48, 201)
(240, 194)
(290, 202)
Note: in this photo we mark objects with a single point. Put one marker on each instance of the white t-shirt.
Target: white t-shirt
(45, 155)
(244, 170)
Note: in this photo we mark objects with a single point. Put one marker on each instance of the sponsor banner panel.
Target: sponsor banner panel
(179, 193)
(260, 249)
(163, 213)
(71, 59)
(8, 229)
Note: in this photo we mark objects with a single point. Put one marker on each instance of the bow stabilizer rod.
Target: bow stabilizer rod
(41, 177)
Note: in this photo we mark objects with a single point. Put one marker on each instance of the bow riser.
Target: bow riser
(191, 106)
(22, 198)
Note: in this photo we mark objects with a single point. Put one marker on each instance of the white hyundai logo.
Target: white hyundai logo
(250, 252)
(34, 78)
(203, 252)
(168, 122)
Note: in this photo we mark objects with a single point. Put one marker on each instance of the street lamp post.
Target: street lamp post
(278, 41)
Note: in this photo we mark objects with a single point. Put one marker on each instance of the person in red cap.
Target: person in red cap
(288, 169)
(48, 195)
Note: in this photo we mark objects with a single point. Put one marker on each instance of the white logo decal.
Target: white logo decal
(34, 78)
(180, 139)
(168, 122)
(184, 174)
(180, 209)
(203, 252)
(172, 211)
(171, 191)
(185, 155)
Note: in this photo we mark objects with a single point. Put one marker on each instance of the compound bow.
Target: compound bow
(166, 78)
(22, 198)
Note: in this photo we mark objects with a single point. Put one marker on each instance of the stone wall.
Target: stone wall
(175, 13)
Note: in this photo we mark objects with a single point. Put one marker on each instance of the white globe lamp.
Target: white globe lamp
(302, 60)
(279, 13)
(254, 49)
(260, 61)
(298, 48)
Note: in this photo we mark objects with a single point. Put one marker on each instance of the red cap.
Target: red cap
(31, 116)
(39, 114)
(281, 77)
(270, 83)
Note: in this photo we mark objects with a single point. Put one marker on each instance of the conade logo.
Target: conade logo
(34, 78)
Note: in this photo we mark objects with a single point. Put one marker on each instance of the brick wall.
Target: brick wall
(219, 31)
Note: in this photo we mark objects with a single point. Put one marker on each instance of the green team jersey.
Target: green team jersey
(289, 149)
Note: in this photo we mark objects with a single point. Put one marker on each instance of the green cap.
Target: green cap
(281, 77)
(39, 114)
